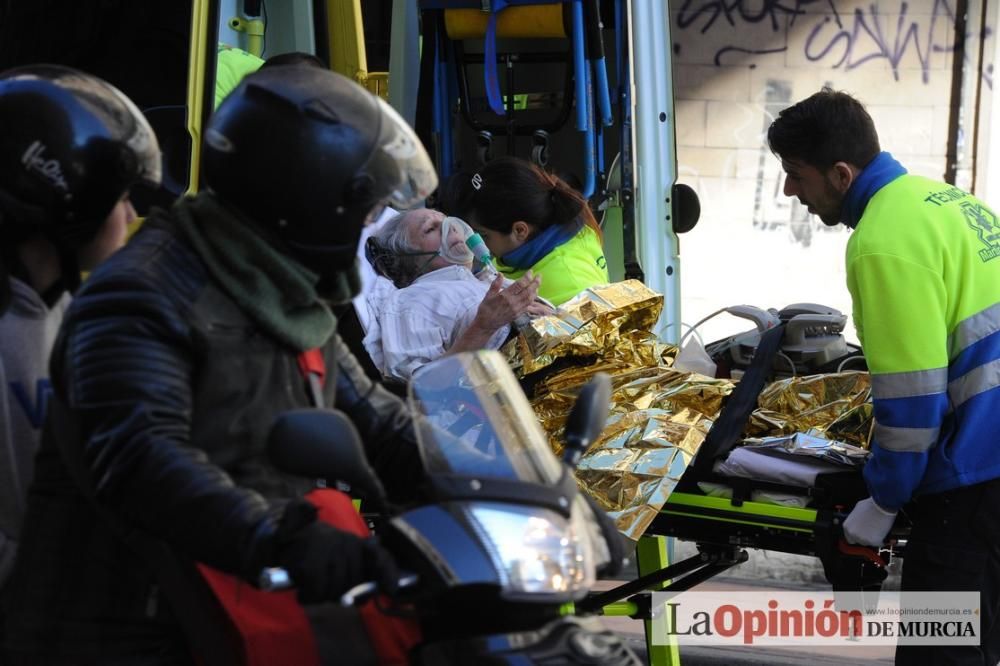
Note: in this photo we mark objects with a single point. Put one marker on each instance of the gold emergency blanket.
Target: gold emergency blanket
(836, 406)
(614, 318)
(659, 416)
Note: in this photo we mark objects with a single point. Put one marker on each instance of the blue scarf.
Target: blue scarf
(880, 172)
(538, 247)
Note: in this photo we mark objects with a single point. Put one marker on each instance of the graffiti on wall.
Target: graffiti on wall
(907, 38)
(876, 33)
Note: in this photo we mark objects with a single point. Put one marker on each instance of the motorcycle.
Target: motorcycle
(503, 541)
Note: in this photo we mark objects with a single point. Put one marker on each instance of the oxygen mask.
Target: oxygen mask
(472, 246)
(455, 234)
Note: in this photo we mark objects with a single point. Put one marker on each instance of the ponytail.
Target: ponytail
(569, 205)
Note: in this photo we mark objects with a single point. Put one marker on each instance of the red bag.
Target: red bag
(272, 628)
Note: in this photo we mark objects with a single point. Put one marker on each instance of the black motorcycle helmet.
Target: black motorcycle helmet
(312, 156)
(71, 145)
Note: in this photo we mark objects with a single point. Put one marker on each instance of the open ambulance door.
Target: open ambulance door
(582, 88)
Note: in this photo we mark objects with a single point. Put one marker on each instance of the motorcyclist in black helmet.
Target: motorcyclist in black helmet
(314, 191)
(71, 147)
(179, 352)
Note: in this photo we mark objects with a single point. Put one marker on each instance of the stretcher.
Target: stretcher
(724, 528)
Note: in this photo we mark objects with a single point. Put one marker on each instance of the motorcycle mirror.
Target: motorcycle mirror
(323, 444)
(586, 419)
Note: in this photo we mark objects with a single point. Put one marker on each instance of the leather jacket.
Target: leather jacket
(171, 391)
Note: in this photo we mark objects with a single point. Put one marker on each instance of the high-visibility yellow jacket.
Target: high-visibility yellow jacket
(230, 68)
(568, 268)
(923, 269)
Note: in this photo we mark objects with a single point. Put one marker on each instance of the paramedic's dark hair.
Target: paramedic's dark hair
(823, 129)
(509, 189)
(294, 58)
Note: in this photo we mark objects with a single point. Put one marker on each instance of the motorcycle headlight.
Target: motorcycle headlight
(536, 551)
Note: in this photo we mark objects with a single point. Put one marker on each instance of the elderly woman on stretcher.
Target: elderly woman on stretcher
(439, 305)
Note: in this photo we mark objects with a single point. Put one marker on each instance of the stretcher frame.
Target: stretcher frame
(725, 527)
(723, 531)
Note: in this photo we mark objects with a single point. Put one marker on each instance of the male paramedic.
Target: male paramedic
(923, 270)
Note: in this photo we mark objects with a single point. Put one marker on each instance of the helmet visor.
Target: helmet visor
(121, 117)
(139, 136)
(400, 164)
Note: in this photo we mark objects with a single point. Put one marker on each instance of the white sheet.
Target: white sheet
(752, 464)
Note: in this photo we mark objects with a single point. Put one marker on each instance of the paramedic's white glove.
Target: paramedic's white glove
(868, 524)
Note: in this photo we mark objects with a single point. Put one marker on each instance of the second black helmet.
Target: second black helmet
(311, 156)
(71, 145)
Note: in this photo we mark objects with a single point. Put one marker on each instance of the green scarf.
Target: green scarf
(273, 290)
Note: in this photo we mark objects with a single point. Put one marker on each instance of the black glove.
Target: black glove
(325, 562)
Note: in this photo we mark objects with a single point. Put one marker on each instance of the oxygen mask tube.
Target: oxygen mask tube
(474, 249)
(488, 273)
(482, 254)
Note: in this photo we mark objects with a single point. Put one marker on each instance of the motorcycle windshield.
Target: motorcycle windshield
(477, 421)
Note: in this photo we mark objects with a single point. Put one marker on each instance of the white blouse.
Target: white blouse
(419, 324)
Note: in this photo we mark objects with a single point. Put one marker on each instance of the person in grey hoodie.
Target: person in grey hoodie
(71, 147)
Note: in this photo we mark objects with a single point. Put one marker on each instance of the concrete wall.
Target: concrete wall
(738, 62)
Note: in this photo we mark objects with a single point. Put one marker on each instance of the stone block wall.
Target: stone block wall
(736, 64)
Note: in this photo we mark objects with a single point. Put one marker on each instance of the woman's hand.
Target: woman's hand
(502, 305)
(539, 309)
(499, 307)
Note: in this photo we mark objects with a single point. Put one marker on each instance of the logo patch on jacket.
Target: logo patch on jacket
(34, 410)
(984, 222)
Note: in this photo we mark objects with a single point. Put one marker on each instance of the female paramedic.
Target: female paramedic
(532, 220)
(439, 306)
